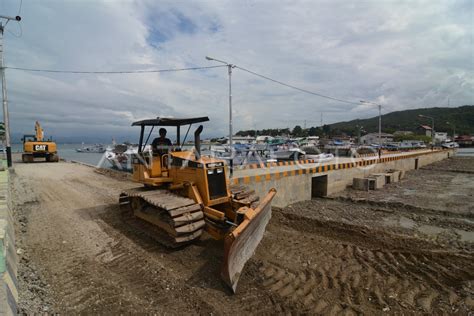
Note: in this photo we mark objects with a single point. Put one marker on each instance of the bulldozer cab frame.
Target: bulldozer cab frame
(172, 122)
(160, 169)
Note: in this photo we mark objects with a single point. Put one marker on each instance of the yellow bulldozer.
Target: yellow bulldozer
(34, 146)
(186, 193)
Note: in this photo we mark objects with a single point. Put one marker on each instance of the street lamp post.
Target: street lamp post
(432, 127)
(6, 120)
(229, 68)
(380, 119)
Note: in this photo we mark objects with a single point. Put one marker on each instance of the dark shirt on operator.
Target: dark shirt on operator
(161, 146)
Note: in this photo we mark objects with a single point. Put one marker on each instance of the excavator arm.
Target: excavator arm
(39, 132)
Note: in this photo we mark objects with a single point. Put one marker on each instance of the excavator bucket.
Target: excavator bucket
(240, 244)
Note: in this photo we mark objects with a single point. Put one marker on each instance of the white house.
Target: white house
(440, 137)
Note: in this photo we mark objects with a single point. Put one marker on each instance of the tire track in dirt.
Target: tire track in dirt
(311, 270)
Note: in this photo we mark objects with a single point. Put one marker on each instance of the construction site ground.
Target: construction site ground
(405, 249)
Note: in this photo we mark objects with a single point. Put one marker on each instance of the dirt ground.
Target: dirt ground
(355, 253)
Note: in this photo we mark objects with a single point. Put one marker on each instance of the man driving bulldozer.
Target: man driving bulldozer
(161, 145)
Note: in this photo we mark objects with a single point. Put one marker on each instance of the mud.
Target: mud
(345, 255)
(456, 164)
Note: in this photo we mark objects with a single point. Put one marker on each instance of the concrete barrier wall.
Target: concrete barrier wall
(296, 185)
(8, 256)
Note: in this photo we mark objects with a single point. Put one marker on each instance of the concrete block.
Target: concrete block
(360, 184)
(372, 184)
(395, 175)
(382, 176)
(379, 181)
(402, 174)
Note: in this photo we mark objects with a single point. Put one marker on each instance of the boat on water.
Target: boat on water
(320, 157)
(450, 145)
(120, 155)
(287, 151)
(96, 148)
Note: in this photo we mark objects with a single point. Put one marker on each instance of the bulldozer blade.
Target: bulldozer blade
(241, 243)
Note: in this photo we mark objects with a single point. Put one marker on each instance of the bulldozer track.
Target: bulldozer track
(168, 218)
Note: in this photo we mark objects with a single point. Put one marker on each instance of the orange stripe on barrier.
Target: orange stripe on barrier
(257, 178)
(246, 179)
(268, 177)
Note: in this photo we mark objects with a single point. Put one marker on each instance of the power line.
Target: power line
(112, 72)
(180, 69)
(294, 87)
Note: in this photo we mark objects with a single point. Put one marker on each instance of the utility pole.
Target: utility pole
(4, 88)
(380, 126)
(229, 68)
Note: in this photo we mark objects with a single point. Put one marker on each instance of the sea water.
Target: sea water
(465, 152)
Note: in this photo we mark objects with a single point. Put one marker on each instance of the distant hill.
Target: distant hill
(461, 117)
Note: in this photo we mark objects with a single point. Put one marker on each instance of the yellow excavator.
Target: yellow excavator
(34, 146)
(186, 193)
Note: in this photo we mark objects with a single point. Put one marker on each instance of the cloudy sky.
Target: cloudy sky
(402, 54)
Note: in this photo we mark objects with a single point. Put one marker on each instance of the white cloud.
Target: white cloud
(402, 54)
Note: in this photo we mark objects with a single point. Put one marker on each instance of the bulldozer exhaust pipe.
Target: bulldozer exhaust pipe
(197, 139)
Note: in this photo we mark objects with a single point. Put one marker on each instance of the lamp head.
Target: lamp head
(18, 18)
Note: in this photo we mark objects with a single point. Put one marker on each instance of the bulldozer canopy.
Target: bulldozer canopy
(167, 121)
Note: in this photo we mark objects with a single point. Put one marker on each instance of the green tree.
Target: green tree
(297, 131)
(313, 131)
(326, 129)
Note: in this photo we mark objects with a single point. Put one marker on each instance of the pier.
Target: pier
(303, 180)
